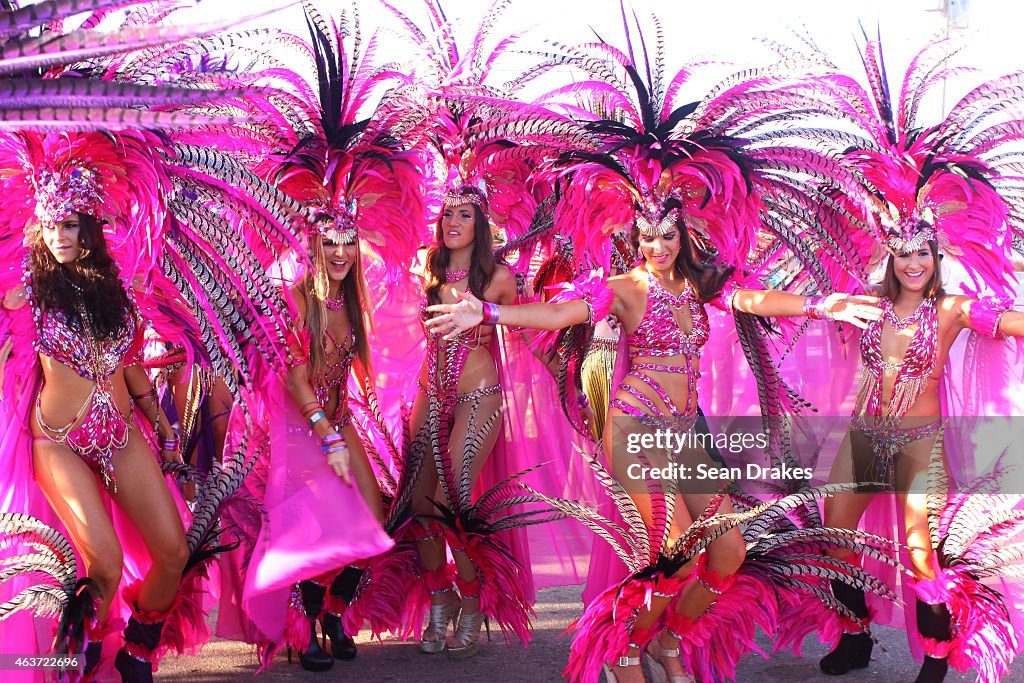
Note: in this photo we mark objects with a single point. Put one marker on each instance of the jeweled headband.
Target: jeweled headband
(651, 229)
(338, 227)
(63, 191)
(465, 194)
(908, 234)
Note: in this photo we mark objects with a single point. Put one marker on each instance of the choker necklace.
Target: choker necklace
(335, 304)
(455, 275)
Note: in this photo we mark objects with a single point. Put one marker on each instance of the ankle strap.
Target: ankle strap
(627, 661)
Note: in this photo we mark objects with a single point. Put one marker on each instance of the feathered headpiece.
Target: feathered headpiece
(47, 177)
(646, 161)
(479, 157)
(939, 183)
(354, 178)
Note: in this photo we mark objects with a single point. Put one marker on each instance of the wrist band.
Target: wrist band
(582, 401)
(333, 437)
(814, 307)
(169, 444)
(491, 314)
(335, 449)
(316, 417)
(310, 407)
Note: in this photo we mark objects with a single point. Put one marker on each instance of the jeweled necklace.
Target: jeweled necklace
(900, 324)
(673, 300)
(335, 304)
(455, 275)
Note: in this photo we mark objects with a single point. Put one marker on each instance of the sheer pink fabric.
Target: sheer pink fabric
(314, 523)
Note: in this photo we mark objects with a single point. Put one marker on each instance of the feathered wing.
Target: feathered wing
(31, 102)
(981, 564)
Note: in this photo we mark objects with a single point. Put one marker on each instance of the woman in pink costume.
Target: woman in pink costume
(460, 372)
(934, 190)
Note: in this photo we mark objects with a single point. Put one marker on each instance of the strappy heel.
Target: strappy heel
(609, 672)
(441, 615)
(467, 636)
(655, 671)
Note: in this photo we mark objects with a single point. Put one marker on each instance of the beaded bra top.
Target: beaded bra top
(659, 334)
(912, 372)
(66, 342)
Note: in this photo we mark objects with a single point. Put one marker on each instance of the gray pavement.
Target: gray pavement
(398, 662)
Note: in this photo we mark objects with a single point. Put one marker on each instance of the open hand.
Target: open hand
(857, 310)
(465, 314)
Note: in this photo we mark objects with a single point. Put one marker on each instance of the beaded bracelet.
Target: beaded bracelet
(316, 417)
(309, 408)
(491, 314)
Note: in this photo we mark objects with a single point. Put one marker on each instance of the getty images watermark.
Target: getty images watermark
(680, 468)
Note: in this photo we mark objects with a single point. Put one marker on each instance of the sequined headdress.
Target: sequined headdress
(340, 226)
(74, 187)
(465, 193)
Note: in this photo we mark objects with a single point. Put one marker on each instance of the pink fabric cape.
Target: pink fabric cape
(313, 522)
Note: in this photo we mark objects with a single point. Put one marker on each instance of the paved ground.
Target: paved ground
(398, 662)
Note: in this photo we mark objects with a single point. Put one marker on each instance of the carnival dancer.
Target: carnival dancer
(477, 395)
(362, 192)
(87, 333)
(936, 190)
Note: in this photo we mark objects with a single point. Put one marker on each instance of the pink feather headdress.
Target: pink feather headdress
(47, 177)
(355, 179)
(940, 183)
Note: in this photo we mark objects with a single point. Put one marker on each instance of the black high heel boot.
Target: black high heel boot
(133, 660)
(93, 652)
(314, 658)
(343, 589)
(933, 622)
(854, 649)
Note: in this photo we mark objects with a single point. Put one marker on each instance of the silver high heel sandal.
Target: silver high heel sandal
(467, 636)
(441, 615)
(655, 671)
(609, 672)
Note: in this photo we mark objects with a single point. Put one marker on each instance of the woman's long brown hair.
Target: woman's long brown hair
(315, 286)
(101, 295)
(481, 264)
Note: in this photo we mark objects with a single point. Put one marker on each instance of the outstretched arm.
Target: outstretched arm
(469, 312)
(992, 317)
(770, 303)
